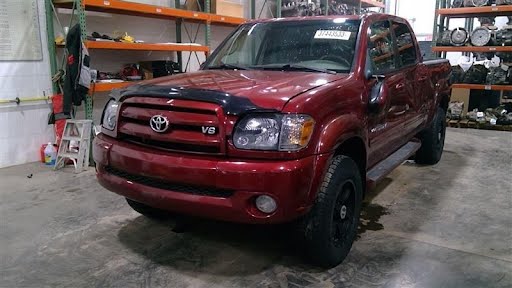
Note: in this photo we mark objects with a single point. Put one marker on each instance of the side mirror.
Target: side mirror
(378, 96)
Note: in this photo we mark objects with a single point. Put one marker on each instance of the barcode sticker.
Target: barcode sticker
(158, 10)
(332, 34)
(488, 87)
(106, 3)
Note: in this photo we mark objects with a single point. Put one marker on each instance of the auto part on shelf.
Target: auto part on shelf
(475, 3)
(503, 2)
(476, 74)
(482, 56)
(300, 8)
(487, 21)
(481, 36)
(341, 9)
(504, 37)
(457, 3)
(497, 76)
(457, 75)
(459, 37)
(506, 57)
(455, 110)
(444, 38)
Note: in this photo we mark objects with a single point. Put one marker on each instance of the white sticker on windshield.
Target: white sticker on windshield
(332, 34)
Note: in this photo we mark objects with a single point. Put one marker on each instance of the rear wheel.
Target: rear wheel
(330, 228)
(146, 210)
(432, 140)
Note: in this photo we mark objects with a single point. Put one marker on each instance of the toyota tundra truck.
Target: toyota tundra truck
(288, 120)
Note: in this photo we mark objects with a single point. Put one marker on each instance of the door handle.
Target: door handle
(399, 86)
(395, 112)
(399, 113)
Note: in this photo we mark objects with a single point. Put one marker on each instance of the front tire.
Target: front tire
(330, 228)
(432, 140)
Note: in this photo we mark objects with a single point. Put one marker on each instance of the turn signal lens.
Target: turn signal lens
(296, 132)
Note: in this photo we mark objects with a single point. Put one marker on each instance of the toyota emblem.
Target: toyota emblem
(159, 123)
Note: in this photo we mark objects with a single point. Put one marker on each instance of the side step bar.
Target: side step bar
(394, 160)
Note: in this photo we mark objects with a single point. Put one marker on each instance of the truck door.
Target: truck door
(386, 126)
(417, 84)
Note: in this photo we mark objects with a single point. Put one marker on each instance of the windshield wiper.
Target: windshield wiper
(307, 68)
(229, 66)
(296, 67)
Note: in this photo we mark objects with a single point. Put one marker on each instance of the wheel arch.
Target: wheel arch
(355, 148)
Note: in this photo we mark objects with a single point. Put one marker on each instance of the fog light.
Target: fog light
(266, 204)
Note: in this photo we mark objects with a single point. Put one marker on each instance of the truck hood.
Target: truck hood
(263, 89)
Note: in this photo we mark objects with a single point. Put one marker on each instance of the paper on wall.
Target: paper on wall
(19, 30)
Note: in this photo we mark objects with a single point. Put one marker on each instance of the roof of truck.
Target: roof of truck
(330, 17)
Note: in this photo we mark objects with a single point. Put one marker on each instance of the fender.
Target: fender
(333, 135)
(339, 129)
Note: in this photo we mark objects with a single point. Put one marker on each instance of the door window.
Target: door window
(404, 41)
(380, 48)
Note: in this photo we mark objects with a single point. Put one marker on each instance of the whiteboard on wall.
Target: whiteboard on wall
(19, 31)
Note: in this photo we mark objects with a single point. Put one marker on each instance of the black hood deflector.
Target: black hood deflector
(231, 104)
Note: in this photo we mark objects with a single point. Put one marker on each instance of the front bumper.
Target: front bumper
(292, 183)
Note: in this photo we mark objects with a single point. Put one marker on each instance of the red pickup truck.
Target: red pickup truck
(289, 120)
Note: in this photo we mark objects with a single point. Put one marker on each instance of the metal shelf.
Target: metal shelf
(466, 12)
(105, 87)
(483, 87)
(150, 11)
(106, 45)
(145, 46)
(472, 49)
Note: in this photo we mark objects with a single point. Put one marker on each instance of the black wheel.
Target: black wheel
(432, 140)
(330, 228)
(146, 210)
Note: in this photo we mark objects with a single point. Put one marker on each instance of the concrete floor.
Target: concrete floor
(449, 225)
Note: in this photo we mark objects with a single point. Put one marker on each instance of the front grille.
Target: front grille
(187, 121)
(170, 146)
(175, 187)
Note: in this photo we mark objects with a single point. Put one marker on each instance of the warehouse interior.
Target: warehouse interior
(69, 67)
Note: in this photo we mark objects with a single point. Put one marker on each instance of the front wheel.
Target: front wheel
(330, 228)
(432, 140)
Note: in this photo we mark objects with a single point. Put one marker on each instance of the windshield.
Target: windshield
(312, 45)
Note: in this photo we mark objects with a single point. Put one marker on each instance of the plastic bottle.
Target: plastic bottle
(50, 154)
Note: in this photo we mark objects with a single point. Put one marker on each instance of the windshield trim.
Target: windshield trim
(213, 55)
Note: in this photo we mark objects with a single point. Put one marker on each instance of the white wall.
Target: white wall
(419, 13)
(23, 128)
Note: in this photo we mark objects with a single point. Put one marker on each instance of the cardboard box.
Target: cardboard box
(461, 95)
(220, 7)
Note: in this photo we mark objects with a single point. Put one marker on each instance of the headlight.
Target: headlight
(273, 132)
(109, 118)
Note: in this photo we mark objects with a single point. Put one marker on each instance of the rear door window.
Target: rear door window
(404, 41)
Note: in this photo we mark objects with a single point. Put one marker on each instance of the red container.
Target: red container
(58, 105)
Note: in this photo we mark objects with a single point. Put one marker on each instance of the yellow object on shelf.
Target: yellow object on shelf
(127, 38)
